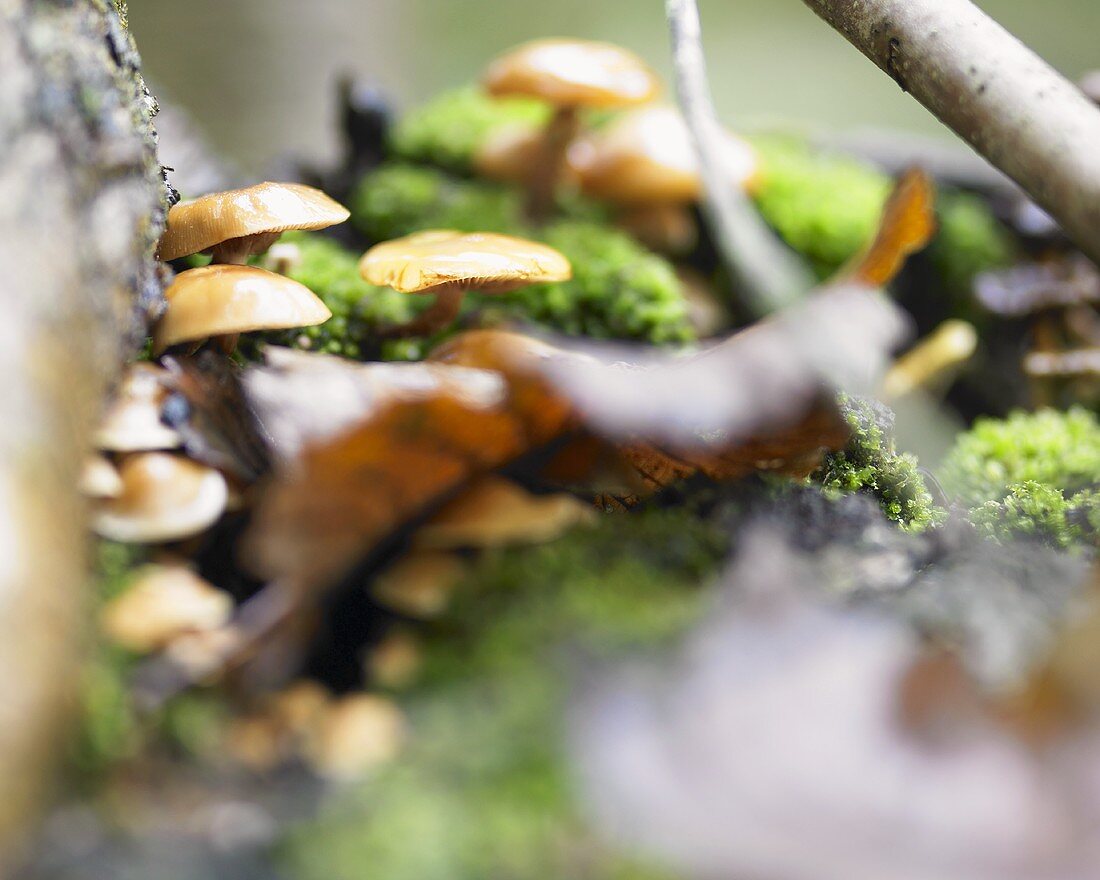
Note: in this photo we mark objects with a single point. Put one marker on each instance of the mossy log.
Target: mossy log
(82, 203)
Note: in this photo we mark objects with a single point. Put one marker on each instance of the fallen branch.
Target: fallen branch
(764, 271)
(994, 92)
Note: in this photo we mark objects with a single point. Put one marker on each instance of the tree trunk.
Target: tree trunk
(82, 203)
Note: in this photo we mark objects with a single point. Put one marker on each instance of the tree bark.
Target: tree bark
(82, 203)
(994, 92)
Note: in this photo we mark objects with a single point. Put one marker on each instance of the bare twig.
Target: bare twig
(994, 92)
(765, 271)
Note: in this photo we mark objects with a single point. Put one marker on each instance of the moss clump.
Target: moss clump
(871, 463)
(619, 289)
(397, 199)
(1033, 474)
(969, 241)
(484, 790)
(110, 730)
(448, 130)
(827, 207)
(358, 309)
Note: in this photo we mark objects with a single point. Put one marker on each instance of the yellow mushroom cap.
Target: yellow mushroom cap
(132, 421)
(646, 155)
(197, 225)
(495, 511)
(224, 299)
(164, 602)
(164, 498)
(436, 260)
(99, 479)
(573, 73)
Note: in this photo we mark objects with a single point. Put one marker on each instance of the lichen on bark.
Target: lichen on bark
(82, 203)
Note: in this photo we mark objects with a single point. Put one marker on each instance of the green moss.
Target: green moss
(970, 241)
(448, 129)
(397, 199)
(110, 730)
(358, 309)
(1032, 473)
(483, 789)
(827, 207)
(871, 463)
(619, 289)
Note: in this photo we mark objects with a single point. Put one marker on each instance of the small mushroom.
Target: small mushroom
(224, 301)
(164, 498)
(495, 512)
(644, 161)
(99, 479)
(395, 662)
(163, 603)
(570, 75)
(240, 223)
(358, 733)
(419, 584)
(933, 362)
(448, 263)
(132, 422)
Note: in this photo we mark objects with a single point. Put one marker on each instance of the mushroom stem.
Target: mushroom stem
(438, 316)
(560, 132)
(236, 251)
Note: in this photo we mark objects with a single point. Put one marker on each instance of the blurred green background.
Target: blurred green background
(257, 74)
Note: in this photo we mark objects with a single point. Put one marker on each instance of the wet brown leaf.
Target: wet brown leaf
(908, 224)
(405, 438)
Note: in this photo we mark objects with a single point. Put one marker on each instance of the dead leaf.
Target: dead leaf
(404, 438)
(907, 225)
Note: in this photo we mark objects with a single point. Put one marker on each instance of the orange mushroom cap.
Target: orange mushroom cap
(439, 260)
(266, 208)
(225, 299)
(573, 73)
(646, 155)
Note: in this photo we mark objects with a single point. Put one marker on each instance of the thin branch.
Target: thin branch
(994, 92)
(764, 270)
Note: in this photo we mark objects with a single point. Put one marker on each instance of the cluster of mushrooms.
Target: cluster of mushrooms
(147, 490)
(642, 162)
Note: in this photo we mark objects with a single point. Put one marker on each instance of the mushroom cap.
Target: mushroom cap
(165, 601)
(224, 299)
(647, 155)
(495, 512)
(441, 259)
(200, 224)
(132, 421)
(573, 73)
(164, 498)
(99, 479)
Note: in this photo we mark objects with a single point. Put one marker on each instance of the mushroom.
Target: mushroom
(99, 479)
(164, 602)
(164, 498)
(357, 733)
(448, 263)
(132, 422)
(570, 75)
(225, 301)
(419, 584)
(933, 362)
(494, 512)
(644, 162)
(240, 223)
